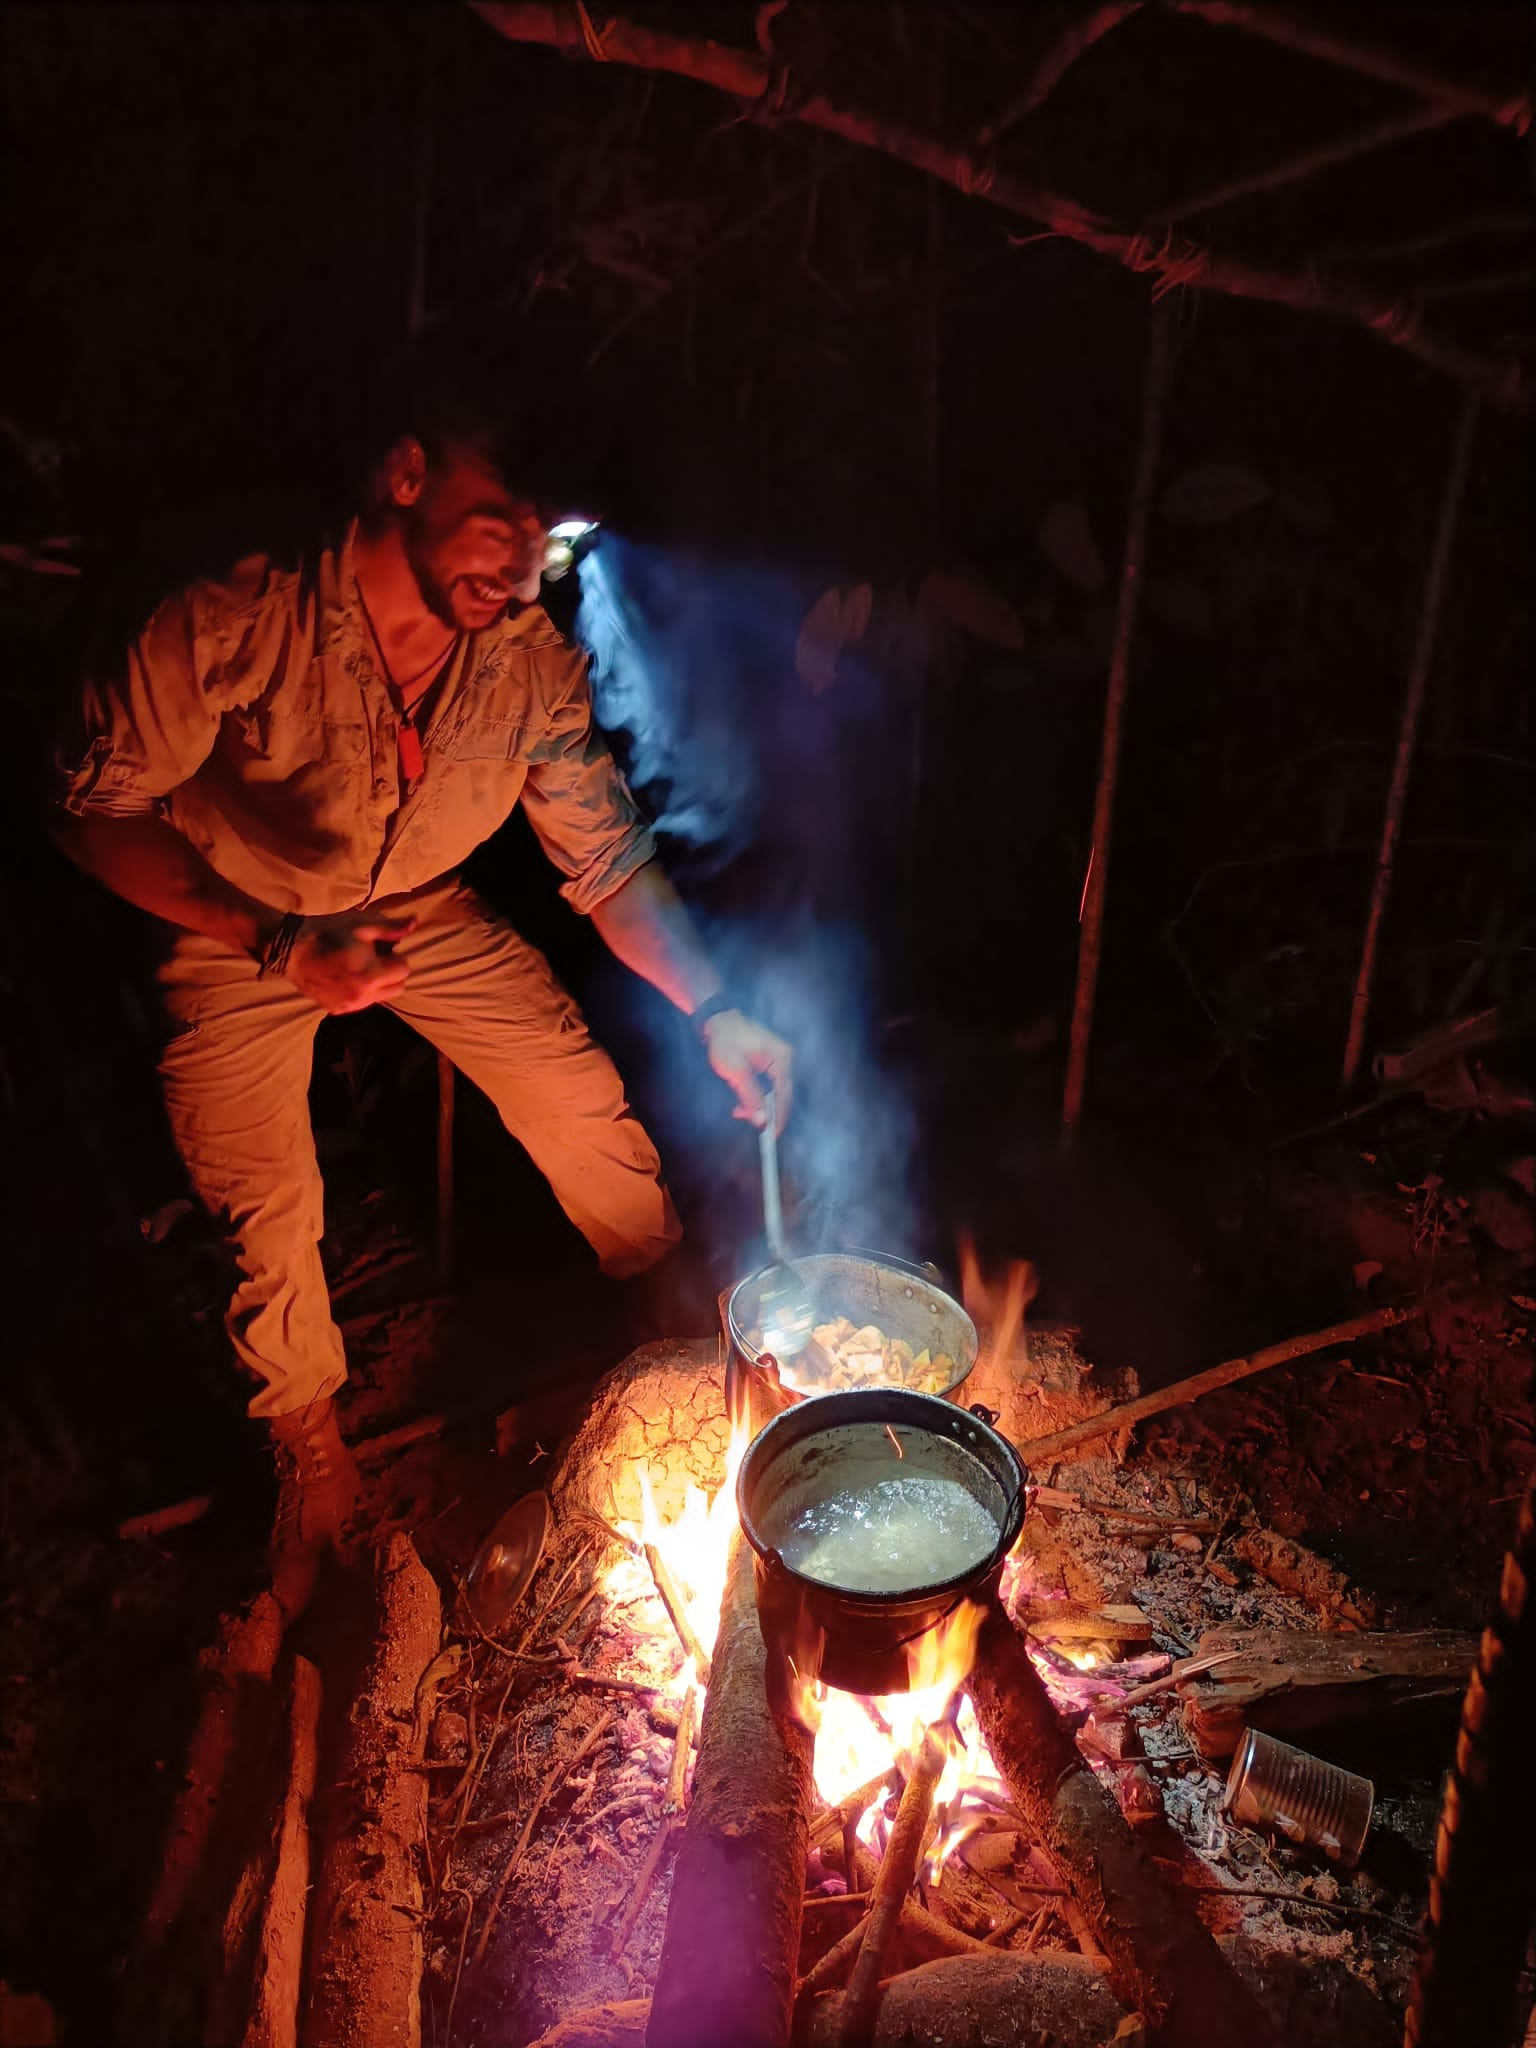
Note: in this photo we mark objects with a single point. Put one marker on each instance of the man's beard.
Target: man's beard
(436, 595)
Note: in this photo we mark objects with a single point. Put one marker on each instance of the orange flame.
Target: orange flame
(696, 1548)
(998, 1308)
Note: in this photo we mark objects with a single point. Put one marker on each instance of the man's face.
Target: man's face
(474, 546)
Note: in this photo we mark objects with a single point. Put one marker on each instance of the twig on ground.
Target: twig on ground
(661, 1841)
(588, 1742)
(1221, 1528)
(1272, 1891)
(560, 1585)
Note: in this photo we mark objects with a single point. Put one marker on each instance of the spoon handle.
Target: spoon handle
(773, 1207)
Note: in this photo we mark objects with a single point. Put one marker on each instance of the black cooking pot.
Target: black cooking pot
(858, 1640)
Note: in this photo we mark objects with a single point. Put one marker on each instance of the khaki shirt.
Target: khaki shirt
(252, 715)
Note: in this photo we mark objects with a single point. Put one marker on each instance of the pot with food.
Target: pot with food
(879, 1323)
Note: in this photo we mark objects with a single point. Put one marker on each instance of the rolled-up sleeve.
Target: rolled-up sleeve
(576, 799)
(147, 724)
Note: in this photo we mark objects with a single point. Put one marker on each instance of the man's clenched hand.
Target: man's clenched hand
(745, 1054)
(348, 962)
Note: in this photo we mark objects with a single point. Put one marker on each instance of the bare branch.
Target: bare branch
(1511, 110)
(1474, 226)
(1075, 39)
(1321, 157)
(1167, 258)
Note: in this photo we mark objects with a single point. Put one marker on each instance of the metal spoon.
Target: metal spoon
(784, 1307)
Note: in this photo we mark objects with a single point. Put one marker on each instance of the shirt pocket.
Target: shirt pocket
(486, 739)
(299, 729)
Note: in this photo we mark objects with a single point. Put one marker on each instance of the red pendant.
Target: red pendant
(412, 760)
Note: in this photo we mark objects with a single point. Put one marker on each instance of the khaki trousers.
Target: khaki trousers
(236, 1075)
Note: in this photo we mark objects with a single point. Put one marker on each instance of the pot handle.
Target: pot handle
(926, 1271)
(983, 1414)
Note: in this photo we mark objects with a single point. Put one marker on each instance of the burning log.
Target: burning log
(1162, 1961)
(365, 1987)
(898, 1867)
(727, 1969)
(677, 1612)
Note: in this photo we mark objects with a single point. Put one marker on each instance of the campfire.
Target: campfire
(633, 1812)
(759, 1851)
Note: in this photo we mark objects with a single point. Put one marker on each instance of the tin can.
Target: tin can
(1273, 1785)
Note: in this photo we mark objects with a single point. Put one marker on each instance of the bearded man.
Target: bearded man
(288, 767)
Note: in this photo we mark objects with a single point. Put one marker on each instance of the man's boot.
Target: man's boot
(317, 1481)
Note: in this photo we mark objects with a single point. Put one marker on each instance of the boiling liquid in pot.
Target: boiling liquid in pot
(890, 1535)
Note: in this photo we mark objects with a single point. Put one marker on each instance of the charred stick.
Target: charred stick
(830, 1823)
(1342, 1907)
(596, 1681)
(1006, 1929)
(1190, 1668)
(630, 1802)
(588, 1743)
(827, 1971)
(898, 1868)
(677, 1611)
(640, 1891)
(677, 1777)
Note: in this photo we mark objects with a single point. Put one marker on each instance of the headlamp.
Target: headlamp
(568, 541)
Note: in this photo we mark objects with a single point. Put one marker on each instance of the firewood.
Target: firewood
(1041, 1451)
(1162, 1960)
(274, 2014)
(1294, 1569)
(898, 1868)
(177, 1960)
(727, 1966)
(1005, 2000)
(366, 1949)
(619, 2023)
(1080, 1621)
(677, 1612)
(1293, 1683)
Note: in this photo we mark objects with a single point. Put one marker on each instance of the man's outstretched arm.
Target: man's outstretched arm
(644, 923)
